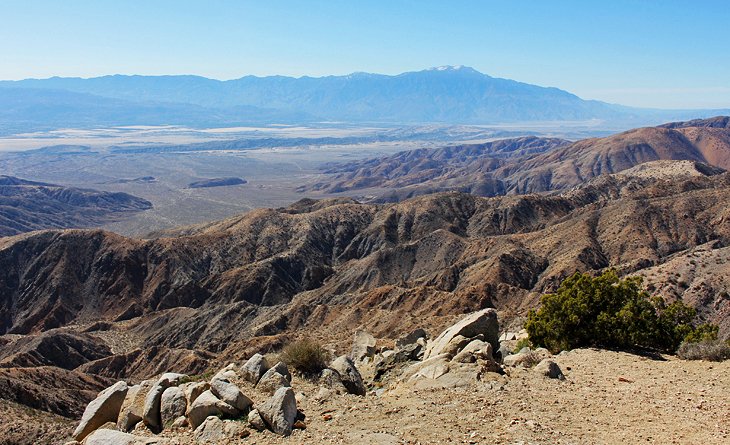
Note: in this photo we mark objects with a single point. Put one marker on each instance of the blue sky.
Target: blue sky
(642, 52)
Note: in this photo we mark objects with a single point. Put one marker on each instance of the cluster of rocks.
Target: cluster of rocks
(461, 354)
(173, 401)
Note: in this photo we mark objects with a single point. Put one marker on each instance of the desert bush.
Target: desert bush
(522, 343)
(711, 350)
(606, 311)
(306, 356)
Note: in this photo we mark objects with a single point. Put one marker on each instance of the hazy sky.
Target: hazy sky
(640, 52)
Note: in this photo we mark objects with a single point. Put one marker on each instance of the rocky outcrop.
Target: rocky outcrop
(482, 323)
(105, 408)
(132, 409)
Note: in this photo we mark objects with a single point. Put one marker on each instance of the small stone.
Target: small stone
(180, 422)
(255, 420)
(550, 369)
(211, 431)
(282, 369)
(331, 380)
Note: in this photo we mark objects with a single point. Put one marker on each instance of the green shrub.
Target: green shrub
(306, 356)
(608, 312)
(711, 350)
(522, 343)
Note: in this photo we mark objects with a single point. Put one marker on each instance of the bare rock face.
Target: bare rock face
(207, 404)
(349, 375)
(254, 368)
(105, 408)
(280, 411)
(482, 323)
(172, 405)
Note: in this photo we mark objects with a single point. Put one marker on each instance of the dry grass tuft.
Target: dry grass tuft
(713, 350)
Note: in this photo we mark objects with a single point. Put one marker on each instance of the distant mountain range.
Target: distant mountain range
(439, 95)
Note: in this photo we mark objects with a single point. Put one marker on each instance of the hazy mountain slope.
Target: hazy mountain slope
(27, 205)
(554, 166)
(33, 109)
(449, 94)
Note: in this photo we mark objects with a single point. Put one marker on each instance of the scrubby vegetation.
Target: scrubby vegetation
(606, 311)
(306, 356)
(522, 343)
(711, 350)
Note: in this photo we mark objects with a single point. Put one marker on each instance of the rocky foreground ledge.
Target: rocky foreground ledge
(464, 386)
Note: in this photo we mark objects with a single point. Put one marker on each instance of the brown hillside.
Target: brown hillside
(484, 170)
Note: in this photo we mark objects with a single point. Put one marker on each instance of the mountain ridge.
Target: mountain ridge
(450, 95)
(528, 164)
